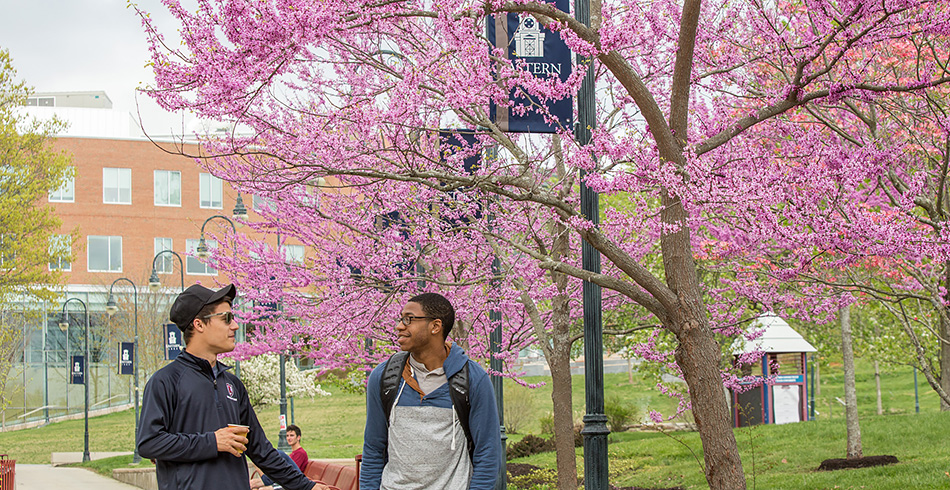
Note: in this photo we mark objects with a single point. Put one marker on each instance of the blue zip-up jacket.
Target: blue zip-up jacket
(183, 405)
(483, 422)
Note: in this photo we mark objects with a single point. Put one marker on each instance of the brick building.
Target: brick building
(130, 199)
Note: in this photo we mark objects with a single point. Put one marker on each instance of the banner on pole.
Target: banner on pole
(452, 141)
(126, 357)
(77, 370)
(173, 341)
(542, 53)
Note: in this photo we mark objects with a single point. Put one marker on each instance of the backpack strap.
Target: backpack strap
(458, 389)
(389, 381)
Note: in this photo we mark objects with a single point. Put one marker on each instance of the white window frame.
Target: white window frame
(294, 254)
(162, 244)
(112, 239)
(192, 261)
(65, 242)
(166, 175)
(65, 193)
(206, 185)
(122, 176)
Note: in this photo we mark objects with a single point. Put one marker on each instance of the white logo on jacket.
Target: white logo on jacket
(230, 388)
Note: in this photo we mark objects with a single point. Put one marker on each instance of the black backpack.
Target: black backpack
(458, 390)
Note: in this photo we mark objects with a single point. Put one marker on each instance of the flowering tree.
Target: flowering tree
(695, 129)
(261, 377)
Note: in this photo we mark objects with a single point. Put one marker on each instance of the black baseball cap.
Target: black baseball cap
(193, 299)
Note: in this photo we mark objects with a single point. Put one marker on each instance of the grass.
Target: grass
(774, 457)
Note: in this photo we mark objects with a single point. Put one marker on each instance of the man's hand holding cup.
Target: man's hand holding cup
(232, 439)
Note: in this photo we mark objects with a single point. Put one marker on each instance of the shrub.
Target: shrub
(619, 414)
(531, 444)
(547, 423)
(519, 405)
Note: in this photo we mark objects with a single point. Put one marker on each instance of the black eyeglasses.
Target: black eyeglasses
(408, 319)
(227, 316)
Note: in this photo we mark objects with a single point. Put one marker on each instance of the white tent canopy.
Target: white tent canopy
(777, 337)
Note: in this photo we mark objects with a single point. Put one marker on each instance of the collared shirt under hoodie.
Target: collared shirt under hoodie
(184, 403)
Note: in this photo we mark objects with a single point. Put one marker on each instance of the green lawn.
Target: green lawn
(774, 457)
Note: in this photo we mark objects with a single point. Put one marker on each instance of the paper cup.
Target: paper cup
(244, 430)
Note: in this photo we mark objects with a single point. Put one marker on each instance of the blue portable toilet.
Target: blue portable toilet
(785, 357)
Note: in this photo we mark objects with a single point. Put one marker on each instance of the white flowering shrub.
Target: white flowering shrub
(261, 377)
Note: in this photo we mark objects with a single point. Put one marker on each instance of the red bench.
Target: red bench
(334, 475)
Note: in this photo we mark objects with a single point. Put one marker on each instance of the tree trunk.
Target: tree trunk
(698, 356)
(850, 394)
(877, 382)
(945, 338)
(698, 353)
(944, 361)
(556, 345)
(877, 375)
(561, 396)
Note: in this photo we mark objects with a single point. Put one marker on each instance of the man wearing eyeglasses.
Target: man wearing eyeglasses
(426, 429)
(189, 404)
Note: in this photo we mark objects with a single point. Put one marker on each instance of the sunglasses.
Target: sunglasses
(227, 316)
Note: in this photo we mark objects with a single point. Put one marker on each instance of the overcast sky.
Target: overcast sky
(80, 45)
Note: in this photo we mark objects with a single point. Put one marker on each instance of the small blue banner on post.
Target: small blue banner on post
(452, 141)
(542, 53)
(173, 341)
(126, 357)
(77, 370)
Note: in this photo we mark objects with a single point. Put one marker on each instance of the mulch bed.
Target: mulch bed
(865, 462)
(521, 469)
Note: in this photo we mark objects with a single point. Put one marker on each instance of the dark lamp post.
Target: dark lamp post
(202, 249)
(595, 421)
(154, 283)
(64, 325)
(111, 309)
(240, 212)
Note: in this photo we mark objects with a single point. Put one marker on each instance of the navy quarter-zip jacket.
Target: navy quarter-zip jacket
(183, 405)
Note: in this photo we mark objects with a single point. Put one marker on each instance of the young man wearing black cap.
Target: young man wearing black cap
(188, 405)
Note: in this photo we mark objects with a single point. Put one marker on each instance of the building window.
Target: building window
(261, 203)
(195, 265)
(164, 264)
(167, 188)
(210, 191)
(117, 185)
(293, 254)
(104, 254)
(61, 252)
(41, 102)
(66, 192)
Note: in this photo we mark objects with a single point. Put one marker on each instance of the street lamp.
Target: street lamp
(154, 283)
(202, 249)
(240, 212)
(595, 421)
(64, 325)
(111, 309)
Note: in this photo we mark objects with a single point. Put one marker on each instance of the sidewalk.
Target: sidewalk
(39, 476)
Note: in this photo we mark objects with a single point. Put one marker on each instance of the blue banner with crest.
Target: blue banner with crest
(542, 53)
